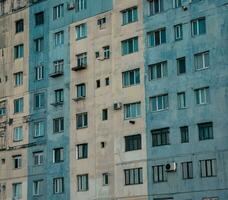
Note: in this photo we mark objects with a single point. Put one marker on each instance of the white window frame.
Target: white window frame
(81, 31)
(202, 95)
(18, 134)
(39, 129)
(59, 38)
(157, 99)
(128, 110)
(37, 187)
(58, 185)
(38, 158)
(39, 72)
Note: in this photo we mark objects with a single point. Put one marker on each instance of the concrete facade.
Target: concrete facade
(10, 66)
(215, 110)
(90, 80)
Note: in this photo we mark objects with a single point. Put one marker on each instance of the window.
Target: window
(18, 134)
(83, 182)
(184, 134)
(57, 155)
(39, 72)
(205, 131)
(158, 70)
(181, 100)
(57, 11)
(133, 176)
(19, 26)
(81, 5)
(177, 3)
(105, 114)
(39, 18)
(181, 66)
(107, 81)
(59, 96)
(2, 111)
(101, 22)
(155, 6)
(202, 95)
(38, 158)
(18, 78)
(82, 151)
(156, 37)
(19, 51)
(132, 110)
(39, 44)
(18, 105)
(160, 137)
(187, 170)
(129, 46)
(106, 50)
(98, 83)
(131, 77)
(37, 187)
(81, 90)
(39, 100)
(159, 173)
(159, 103)
(81, 59)
(105, 179)
(129, 15)
(58, 185)
(208, 168)
(198, 26)
(201, 60)
(133, 142)
(17, 190)
(59, 38)
(17, 162)
(81, 120)
(178, 32)
(39, 129)
(81, 31)
(58, 125)
(58, 65)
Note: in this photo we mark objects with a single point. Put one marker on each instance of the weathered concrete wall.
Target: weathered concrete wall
(215, 77)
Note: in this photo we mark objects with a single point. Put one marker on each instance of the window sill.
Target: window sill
(129, 23)
(79, 99)
(81, 38)
(131, 118)
(158, 111)
(184, 108)
(177, 40)
(202, 69)
(78, 128)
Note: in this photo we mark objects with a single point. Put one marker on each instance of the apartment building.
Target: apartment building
(113, 100)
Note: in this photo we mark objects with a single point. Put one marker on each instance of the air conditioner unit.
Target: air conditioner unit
(70, 6)
(117, 106)
(171, 167)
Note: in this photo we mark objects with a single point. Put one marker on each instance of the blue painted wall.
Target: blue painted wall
(215, 40)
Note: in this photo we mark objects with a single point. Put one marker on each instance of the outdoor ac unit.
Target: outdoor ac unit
(117, 106)
(171, 167)
(70, 6)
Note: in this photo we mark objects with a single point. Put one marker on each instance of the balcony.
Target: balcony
(56, 74)
(79, 67)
